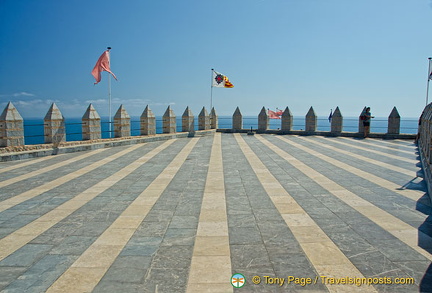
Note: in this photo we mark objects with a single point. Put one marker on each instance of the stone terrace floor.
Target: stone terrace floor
(185, 215)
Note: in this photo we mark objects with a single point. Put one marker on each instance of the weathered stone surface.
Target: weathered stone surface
(287, 120)
(148, 122)
(11, 127)
(91, 124)
(54, 128)
(393, 122)
(213, 119)
(263, 120)
(237, 120)
(311, 121)
(203, 120)
(337, 122)
(122, 123)
(169, 124)
(188, 121)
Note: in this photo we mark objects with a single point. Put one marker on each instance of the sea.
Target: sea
(34, 128)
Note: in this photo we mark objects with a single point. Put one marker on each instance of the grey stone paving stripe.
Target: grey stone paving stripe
(6, 167)
(396, 155)
(73, 235)
(40, 171)
(86, 272)
(25, 212)
(389, 223)
(22, 236)
(376, 179)
(169, 230)
(379, 160)
(260, 241)
(407, 148)
(211, 244)
(22, 197)
(376, 229)
(323, 253)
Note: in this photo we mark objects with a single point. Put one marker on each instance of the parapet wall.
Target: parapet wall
(286, 118)
(425, 145)
(12, 129)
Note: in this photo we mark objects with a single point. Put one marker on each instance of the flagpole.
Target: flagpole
(109, 99)
(211, 90)
(429, 78)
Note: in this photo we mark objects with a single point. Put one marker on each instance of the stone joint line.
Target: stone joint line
(321, 251)
(22, 236)
(212, 241)
(388, 222)
(98, 258)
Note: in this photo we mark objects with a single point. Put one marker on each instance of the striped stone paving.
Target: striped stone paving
(288, 213)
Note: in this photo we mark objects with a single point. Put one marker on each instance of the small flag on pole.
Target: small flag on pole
(103, 64)
(220, 80)
(274, 115)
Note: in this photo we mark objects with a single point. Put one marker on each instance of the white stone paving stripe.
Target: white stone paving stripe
(28, 162)
(408, 193)
(323, 253)
(368, 159)
(22, 236)
(22, 197)
(211, 252)
(344, 140)
(398, 228)
(49, 168)
(98, 258)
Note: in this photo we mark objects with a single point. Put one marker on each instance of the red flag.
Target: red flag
(274, 115)
(103, 64)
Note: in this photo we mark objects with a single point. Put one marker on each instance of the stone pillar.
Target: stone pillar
(169, 121)
(147, 122)
(122, 123)
(213, 119)
(337, 122)
(188, 121)
(263, 120)
(393, 122)
(11, 127)
(287, 120)
(91, 124)
(54, 126)
(237, 120)
(361, 127)
(203, 120)
(311, 121)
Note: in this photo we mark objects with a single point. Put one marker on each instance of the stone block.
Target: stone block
(122, 123)
(169, 121)
(337, 122)
(188, 121)
(237, 120)
(213, 119)
(263, 120)
(311, 121)
(54, 126)
(147, 122)
(91, 124)
(11, 127)
(203, 120)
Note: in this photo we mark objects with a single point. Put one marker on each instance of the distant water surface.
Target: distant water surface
(34, 130)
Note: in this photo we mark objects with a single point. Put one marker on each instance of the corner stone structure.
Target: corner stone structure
(11, 127)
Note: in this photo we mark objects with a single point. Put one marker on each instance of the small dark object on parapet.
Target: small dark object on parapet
(250, 132)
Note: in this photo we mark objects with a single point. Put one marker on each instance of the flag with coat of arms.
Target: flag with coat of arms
(220, 80)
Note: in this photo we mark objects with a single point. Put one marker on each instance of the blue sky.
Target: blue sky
(277, 53)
